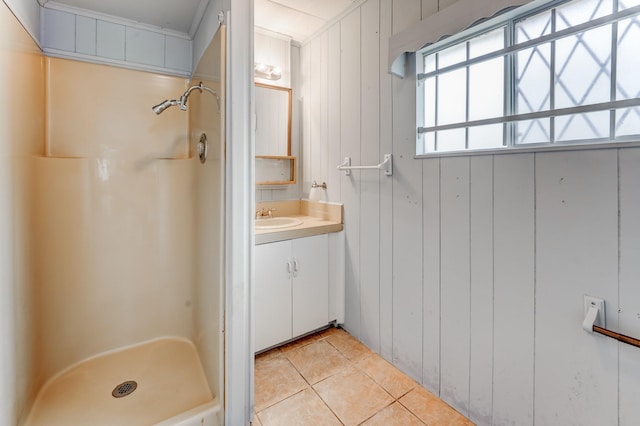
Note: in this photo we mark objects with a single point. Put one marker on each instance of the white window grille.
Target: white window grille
(563, 74)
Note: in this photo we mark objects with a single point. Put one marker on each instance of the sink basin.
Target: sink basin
(277, 222)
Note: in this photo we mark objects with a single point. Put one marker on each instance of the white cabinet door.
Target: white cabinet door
(272, 302)
(310, 283)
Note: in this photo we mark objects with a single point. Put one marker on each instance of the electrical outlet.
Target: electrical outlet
(590, 301)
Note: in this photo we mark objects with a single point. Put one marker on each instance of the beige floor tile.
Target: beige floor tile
(329, 332)
(256, 421)
(304, 408)
(353, 384)
(275, 379)
(432, 410)
(394, 415)
(386, 375)
(348, 345)
(317, 361)
(273, 353)
(297, 344)
(353, 396)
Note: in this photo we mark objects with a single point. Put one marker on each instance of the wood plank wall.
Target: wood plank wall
(468, 273)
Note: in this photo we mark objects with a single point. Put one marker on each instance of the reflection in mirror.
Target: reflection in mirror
(273, 120)
(274, 163)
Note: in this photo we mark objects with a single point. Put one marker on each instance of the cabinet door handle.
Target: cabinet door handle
(295, 266)
(289, 268)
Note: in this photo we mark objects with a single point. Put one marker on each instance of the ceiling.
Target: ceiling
(296, 18)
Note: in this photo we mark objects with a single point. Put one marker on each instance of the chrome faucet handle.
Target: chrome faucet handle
(270, 211)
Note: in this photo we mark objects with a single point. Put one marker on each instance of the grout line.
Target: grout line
(351, 364)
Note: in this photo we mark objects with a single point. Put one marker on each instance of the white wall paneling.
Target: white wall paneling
(429, 7)
(207, 29)
(82, 35)
(294, 191)
(407, 216)
(145, 47)
(350, 147)
(386, 189)
(629, 318)
(110, 40)
(316, 131)
(576, 254)
(177, 54)
(305, 90)
(323, 156)
(370, 180)
(273, 49)
(305, 94)
(481, 288)
(513, 292)
(431, 275)
(455, 292)
(59, 31)
(85, 35)
(468, 272)
(333, 114)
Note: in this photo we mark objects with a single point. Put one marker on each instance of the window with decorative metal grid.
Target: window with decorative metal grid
(563, 73)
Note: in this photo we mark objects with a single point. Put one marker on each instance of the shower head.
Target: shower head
(183, 99)
(164, 105)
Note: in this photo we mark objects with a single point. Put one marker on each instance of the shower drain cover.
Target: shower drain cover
(124, 389)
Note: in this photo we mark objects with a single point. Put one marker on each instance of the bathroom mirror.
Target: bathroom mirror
(274, 163)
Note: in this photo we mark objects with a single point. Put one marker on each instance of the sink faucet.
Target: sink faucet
(265, 212)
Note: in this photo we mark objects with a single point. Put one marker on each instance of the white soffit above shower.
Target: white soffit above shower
(298, 19)
(182, 16)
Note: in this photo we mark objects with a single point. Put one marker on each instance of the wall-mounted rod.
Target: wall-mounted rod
(619, 337)
(386, 165)
(594, 321)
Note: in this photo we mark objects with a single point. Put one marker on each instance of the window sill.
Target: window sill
(530, 149)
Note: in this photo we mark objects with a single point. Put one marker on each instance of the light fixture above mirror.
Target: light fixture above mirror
(268, 72)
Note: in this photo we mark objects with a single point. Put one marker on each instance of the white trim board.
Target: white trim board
(117, 20)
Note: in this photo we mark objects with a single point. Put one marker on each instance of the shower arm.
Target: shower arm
(200, 87)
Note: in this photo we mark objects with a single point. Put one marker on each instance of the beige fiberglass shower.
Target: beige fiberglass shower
(129, 247)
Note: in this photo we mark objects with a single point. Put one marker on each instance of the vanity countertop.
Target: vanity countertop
(317, 218)
(310, 226)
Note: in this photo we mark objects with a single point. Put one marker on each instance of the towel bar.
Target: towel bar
(386, 165)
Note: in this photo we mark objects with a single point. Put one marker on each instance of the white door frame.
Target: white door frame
(239, 240)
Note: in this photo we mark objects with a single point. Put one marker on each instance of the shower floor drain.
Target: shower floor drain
(124, 389)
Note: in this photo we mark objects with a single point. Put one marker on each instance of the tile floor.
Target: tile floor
(330, 378)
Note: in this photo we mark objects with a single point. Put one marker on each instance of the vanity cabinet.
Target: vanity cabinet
(291, 289)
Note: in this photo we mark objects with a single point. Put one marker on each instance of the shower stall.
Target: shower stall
(128, 246)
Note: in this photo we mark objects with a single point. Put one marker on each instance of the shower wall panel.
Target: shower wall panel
(104, 112)
(21, 137)
(207, 116)
(115, 193)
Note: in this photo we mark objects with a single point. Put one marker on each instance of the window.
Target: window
(564, 74)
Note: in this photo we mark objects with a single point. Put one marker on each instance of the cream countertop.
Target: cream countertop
(317, 218)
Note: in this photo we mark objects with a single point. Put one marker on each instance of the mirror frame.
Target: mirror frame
(288, 156)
